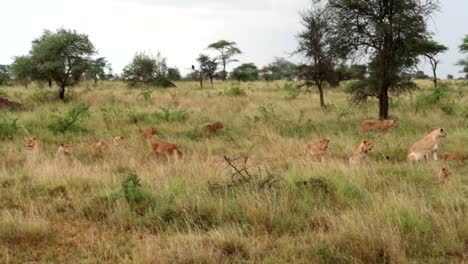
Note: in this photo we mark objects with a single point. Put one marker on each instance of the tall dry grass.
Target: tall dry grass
(85, 209)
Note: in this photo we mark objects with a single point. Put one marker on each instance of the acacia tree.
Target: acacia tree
(99, 69)
(430, 49)
(316, 44)
(4, 74)
(245, 72)
(282, 69)
(22, 69)
(62, 56)
(386, 31)
(464, 49)
(227, 50)
(208, 67)
(145, 69)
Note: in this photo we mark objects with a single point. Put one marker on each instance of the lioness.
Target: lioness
(361, 152)
(164, 148)
(64, 149)
(149, 133)
(454, 156)
(317, 150)
(214, 127)
(31, 144)
(117, 140)
(378, 125)
(427, 147)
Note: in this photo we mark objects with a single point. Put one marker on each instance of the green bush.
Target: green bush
(437, 95)
(70, 121)
(8, 129)
(171, 115)
(234, 91)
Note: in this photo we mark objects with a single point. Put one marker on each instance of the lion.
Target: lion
(454, 156)
(117, 140)
(214, 127)
(427, 147)
(164, 148)
(32, 144)
(317, 150)
(378, 125)
(98, 146)
(65, 149)
(361, 152)
(443, 175)
(149, 133)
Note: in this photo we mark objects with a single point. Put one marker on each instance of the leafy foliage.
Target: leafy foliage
(146, 69)
(61, 56)
(227, 50)
(4, 75)
(70, 121)
(245, 72)
(22, 69)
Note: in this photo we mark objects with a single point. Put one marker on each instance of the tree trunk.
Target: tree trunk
(224, 70)
(50, 83)
(434, 72)
(383, 103)
(322, 100)
(211, 81)
(62, 93)
(201, 83)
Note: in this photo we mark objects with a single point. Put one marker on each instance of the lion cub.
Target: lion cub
(443, 176)
(164, 148)
(378, 125)
(117, 140)
(32, 144)
(149, 133)
(317, 150)
(64, 149)
(427, 147)
(214, 127)
(454, 156)
(361, 152)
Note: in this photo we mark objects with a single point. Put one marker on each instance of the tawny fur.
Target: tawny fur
(378, 125)
(454, 156)
(427, 147)
(443, 176)
(164, 148)
(149, 133)
(361, 152)
(214, 127)
(64, 149)
(32, 144)
(317, 150)
(117, 140)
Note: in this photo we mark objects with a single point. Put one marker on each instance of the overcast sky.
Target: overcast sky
(182, 29)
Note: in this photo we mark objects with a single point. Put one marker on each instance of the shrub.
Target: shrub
(139, 200)
(437, 95)
(8, 129)
(69, 121)
(171, 115)
(234, 91)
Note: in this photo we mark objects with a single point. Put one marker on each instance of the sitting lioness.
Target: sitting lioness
(378, 125)
(166, 149)
(317, 150)
(427, 147)
(361, 152)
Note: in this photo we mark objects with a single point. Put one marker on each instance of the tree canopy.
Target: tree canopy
(145, 69)
(388, 32)
(227, 50)
(62, 56)
(245, 72)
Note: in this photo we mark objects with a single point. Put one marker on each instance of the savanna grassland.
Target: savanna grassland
(123, 205)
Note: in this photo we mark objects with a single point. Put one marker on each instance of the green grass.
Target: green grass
(123, 206)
